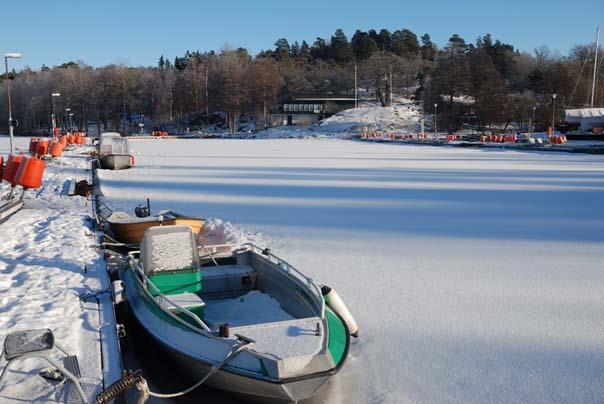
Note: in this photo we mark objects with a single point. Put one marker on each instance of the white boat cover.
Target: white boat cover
(111, 143)
(575, 115)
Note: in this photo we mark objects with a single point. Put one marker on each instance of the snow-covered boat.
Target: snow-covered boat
(114, 152)
(130, 230)
(257, 327)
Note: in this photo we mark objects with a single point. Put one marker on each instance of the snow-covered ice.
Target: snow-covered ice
(475, 275)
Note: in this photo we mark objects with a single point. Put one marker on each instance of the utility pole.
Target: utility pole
(356, 102)
(593, 83)
(554, 95)
(435, 107)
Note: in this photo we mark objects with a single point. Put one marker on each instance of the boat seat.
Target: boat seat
(169, 257)
(189, 301)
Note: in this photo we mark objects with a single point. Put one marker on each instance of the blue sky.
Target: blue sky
(138, 32)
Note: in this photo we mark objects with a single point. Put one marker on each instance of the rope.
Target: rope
(234, 351)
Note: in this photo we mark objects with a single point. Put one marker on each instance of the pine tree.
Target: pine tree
(341, 51)
(363, 45)
(305, 51)
(428, 50)
(161, 64)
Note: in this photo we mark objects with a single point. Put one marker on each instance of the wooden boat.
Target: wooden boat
(130, 230)
(258, 327)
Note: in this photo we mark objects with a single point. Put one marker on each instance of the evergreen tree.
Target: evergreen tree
(363, 45)
(319, 49)
(282, 49)
(162, 63)
(341, 51)
(295, 50)
(428, 50)
(305, 51)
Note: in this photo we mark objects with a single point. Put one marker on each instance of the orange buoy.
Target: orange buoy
(30, 173)
(33, 143)
(12, 165)
(42, 147)
(1, 166)
(56, 150)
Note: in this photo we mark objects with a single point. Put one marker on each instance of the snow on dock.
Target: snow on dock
(48, 259)
(476, 276)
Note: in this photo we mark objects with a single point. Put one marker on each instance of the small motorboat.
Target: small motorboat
(256, 327)
(114, 152)
(130, 230)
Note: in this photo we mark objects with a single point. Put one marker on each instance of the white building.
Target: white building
(587, 118)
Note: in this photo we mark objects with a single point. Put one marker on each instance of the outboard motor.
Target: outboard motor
(143, 210)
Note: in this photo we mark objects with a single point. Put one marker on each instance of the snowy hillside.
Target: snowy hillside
(402, 116)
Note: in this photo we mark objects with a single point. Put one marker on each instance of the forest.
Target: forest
(481, 83)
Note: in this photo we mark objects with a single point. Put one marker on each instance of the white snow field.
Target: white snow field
(476, 276)
(47, 259)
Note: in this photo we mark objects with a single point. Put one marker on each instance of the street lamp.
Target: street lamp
(70, 120)
(435, 107)
(553, 111)
(10, 55)
(54, 114)
(66, 118)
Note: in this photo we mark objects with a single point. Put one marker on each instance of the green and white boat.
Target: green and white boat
(256, 326)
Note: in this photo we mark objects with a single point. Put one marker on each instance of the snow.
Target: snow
(475, 275)
(170, 251)
(255, 305)
(47, 259)
(403, 116)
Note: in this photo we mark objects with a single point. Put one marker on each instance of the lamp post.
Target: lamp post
(553, 111)
(67, 110)
(70, 120)
(10, 55)
(435, 108)
(54, 113)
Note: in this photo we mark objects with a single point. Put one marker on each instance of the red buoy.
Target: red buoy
(33, 143)
(30, 173)
(12, 166)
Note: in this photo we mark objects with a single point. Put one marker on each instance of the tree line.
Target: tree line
(481, 83)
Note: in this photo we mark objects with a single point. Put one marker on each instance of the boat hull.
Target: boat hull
(132, 233)
(250, 389)
(115, 162)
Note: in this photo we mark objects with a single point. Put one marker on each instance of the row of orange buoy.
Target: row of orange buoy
(159, 133)
(499, 138)
(23, 170)
(558, 139)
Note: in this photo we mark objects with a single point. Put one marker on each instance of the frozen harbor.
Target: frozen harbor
(48, 259)
(475, 275)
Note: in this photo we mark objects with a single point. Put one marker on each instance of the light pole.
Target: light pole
(10, 55)
(532, 128)
(66, 119)
(70, 120)
(54, 114)
(553, 111)
(435, 108)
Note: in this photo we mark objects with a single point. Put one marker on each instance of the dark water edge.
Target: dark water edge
(140, 352)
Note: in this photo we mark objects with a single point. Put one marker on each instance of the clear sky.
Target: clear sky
(137, 32)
